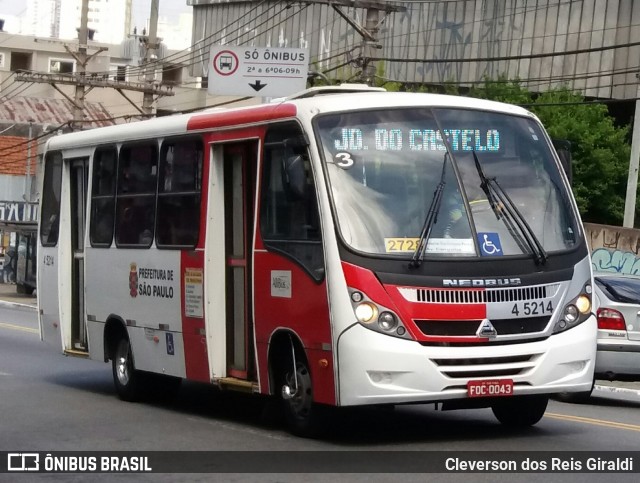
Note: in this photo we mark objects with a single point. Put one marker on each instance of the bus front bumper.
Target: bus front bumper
(377, 369)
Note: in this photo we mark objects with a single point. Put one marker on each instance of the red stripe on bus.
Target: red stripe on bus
(193, 325)
(243, 116)
(236, 262)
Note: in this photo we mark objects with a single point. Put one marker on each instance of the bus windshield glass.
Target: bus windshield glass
(386, 167)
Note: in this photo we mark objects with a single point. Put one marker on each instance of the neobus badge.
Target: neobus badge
(481, 282)
(486, 329)
(281, 283)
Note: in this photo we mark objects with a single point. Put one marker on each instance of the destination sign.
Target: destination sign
(355, 139)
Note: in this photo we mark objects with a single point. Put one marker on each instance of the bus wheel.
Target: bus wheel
(301, 413)
(127, 379)
(520, 411)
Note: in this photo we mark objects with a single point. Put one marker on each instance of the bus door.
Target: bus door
(79, 175)
(231, 199)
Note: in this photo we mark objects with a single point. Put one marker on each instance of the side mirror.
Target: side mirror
(295, 177)
(563, 148)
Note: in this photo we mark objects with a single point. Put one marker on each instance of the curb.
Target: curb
(617, 390)
(18, 304)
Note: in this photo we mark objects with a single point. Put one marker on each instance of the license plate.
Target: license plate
(490, 388)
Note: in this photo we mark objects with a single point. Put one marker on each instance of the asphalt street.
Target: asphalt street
(620, 390)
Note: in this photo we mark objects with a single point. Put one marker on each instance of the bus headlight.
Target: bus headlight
(576, 311)
(366, 312)
(583, 304)
(387, 321)
(570, 313)
(377, 317)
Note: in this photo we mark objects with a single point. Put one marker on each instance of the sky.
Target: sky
(141, 9)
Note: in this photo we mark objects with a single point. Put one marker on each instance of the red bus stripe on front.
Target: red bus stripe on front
(243, 116)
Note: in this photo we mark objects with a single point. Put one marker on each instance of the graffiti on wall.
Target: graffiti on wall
(604, 260)
(614, 249)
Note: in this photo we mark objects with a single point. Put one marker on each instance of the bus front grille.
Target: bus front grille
(478, 296)
(469, 328)
(466, 368)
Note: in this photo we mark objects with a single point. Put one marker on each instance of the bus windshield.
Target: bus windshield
(386, 166)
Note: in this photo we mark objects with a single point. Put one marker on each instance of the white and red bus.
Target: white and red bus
(341, 247)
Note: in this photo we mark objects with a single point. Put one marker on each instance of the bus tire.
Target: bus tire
(520, 411)
(129, 382)
(303, 417)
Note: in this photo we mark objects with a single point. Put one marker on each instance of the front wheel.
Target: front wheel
(128, 381)
(520, 411)
(303, 416)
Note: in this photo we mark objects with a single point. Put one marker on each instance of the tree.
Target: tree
(600, 150)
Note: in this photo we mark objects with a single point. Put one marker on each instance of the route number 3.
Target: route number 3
(343, 160)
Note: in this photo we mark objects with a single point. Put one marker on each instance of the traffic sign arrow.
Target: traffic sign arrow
(257, 85)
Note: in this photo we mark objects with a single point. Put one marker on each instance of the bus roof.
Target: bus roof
(304, 105)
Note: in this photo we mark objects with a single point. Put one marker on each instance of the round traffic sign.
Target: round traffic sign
(225, 62)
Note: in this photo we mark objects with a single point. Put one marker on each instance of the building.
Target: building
(590, 45)
(35, 110)
(109, 19)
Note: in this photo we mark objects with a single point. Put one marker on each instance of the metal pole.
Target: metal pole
(78, 115)
(27, 174)
(632, 179)
(147, 102)
(369, 46)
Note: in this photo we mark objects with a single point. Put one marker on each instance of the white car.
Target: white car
(618, 302)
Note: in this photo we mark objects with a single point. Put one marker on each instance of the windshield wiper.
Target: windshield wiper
(430, 220)
(509, 212)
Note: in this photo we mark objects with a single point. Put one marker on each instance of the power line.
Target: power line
(515, 11)
(513, 57)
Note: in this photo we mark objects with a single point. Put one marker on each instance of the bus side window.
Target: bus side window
(50, 215)
(136, 194)
(289, 220)
(103, 192)
(179, 190)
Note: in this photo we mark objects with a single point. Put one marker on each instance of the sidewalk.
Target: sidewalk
(10, 296)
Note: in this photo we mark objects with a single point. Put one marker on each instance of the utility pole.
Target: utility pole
(632, 177)
(27, 174)
(81, 57)
(83, 83)
(369, 41)
(150, 58)
(369, 46)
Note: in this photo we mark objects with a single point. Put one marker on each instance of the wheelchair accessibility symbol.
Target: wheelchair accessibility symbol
(490, 244)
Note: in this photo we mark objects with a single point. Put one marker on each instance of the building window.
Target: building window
(20, 61)
(179, 190)
(136, 194)
(103, 190)
(58, 66)
(118, 72)
(171, 74)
